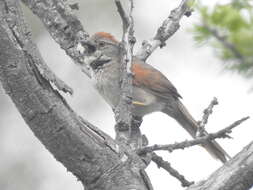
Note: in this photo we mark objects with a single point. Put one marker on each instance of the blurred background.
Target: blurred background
(194, 60)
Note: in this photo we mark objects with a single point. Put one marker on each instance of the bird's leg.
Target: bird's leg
(137, 121)
(135, 139)
(140, 139)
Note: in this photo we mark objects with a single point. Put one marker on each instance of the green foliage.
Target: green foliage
(229, 29)
(201, 34)
(226, 16)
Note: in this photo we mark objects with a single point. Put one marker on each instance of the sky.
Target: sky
(195, 71)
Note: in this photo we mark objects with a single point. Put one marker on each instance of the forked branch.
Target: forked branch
(189, 143)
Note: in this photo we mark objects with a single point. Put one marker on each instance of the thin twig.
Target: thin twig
(207, 112)
(173, 172)
(188, 143)
(168, 28)
(128, 39)
(123, 15)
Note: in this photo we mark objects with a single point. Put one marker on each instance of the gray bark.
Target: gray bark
(64, 28)
(88, 153)
(236, 174)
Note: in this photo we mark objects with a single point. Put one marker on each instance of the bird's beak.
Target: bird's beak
(90, 45)
(99, 61)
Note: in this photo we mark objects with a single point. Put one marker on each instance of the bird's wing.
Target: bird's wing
(146, 76)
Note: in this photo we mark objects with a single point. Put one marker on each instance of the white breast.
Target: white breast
(108, 86)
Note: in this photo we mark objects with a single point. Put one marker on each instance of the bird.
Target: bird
(152, 91)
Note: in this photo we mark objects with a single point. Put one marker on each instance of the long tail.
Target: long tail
(184, 118)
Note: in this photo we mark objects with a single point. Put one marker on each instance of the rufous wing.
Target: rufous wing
(146, 76)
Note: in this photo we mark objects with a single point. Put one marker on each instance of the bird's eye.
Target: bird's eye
(101, 44)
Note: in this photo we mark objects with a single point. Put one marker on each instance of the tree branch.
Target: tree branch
(65, 29)
(166, 166)
(236, 174)
(207, 112)
(168, 28)
(124, 17)
(125, 129)
(188, 143)
(42, 67)
(83, 149)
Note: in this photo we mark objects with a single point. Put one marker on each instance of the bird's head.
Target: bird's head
(106, 44)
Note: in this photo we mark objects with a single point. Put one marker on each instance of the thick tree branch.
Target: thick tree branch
(41, 65)
(83, 149)
(188, 143)
(168, 28)
(65, 29)
(236, 174)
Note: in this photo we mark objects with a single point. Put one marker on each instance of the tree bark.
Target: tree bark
(97, 161)
(236, 174)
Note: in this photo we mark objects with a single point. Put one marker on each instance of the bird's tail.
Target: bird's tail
(184, 118)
